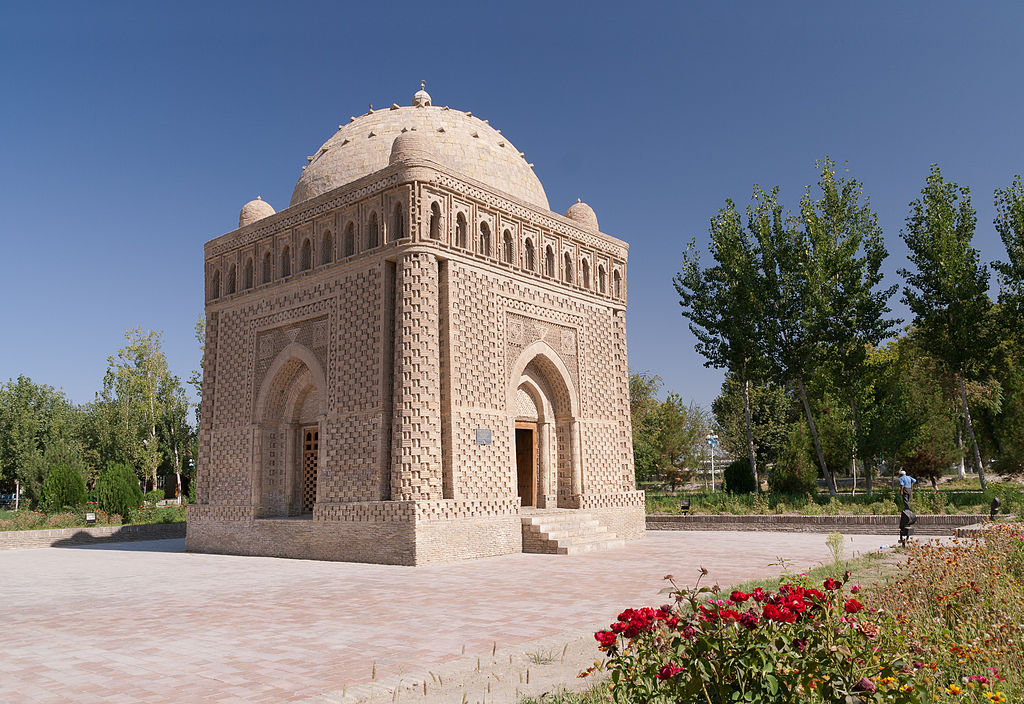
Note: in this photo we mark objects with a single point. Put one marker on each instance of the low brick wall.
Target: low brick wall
(50, 537)
(944, 524)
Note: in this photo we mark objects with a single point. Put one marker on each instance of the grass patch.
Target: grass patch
(874, 567)
(598, 694)
(882, 502)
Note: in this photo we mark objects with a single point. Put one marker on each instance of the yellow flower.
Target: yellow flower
(995, 696)
(954, 689)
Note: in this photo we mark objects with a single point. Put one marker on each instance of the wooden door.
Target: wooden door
(310, 460)
(526, 462)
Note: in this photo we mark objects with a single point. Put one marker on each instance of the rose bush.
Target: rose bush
(798, 644)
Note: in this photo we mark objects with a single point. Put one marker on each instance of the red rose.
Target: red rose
(758, 594)
(853, 606)
(668, 672)
(832, 584)
(606, 639)
(739, 597)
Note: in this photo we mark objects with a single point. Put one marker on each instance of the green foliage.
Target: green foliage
(668, 436)
(64, 484)
(154, 496)
(798, 644)
(738, 477)
(1009, 222)
(771, 411)
(795, 471)
(117, 490)
(32, 418)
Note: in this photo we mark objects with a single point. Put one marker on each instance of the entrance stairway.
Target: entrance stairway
(565, 532)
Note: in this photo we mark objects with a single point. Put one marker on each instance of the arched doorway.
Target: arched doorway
(544, 414)
(289, 413)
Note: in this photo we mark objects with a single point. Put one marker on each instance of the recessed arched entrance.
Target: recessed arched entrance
(289, 415)
(544, 412)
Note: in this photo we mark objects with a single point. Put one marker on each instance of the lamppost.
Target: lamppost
(712, 440)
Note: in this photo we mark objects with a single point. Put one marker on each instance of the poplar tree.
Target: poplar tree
(948, 288)
(724, 303)
(1009, 222)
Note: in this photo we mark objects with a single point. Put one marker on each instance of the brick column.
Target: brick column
(416, 426)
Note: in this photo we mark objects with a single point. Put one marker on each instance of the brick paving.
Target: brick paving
(147, 622)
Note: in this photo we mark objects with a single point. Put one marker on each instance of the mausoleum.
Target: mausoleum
(416, 360)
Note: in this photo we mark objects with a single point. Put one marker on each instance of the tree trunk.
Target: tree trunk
(869, 473)
(750, 435)
(853, 444)
(830, 481)
(970, 433)
(962, 471)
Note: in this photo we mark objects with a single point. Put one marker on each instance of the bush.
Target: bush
(795, 472)
(798, 644)
(154, 496)
(64, 486)
(117, 490)
(738, 477)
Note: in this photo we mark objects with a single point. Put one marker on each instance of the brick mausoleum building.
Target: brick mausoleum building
(417, 360)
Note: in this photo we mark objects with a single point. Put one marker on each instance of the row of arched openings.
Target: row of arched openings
(529, 253)
(398, 231)
(348, 247)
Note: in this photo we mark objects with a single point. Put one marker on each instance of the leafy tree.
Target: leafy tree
(725, 302)
(738, 477)
(118, 491)
(195, 379)
(948, 289)
(643, 404)
(64, 484)
(32, 418)
(795, 472)
(138, 392)
(848, 249)
(771, 412)
(1009, 222)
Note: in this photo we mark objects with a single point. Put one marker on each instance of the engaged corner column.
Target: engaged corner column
(416, 425)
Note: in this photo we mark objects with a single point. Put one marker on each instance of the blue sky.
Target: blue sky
(131, 133)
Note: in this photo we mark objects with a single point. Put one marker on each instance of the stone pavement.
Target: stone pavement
(147, 622)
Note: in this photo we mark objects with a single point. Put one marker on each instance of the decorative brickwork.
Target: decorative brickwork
(408, 356)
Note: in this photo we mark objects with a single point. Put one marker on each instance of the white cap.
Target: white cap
(902, 472)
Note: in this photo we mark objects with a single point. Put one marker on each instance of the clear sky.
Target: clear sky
(131, 133)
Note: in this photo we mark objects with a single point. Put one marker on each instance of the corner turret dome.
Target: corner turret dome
(457, 140)
(254, 210)
(583, 214)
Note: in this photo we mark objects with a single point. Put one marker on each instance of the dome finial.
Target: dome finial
(422, 98)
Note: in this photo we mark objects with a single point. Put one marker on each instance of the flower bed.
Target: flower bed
(946, 628)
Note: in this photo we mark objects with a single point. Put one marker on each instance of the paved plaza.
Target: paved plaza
(147, 622)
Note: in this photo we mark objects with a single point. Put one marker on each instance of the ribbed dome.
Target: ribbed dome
(412, 145)
(457, 140)
(254, 210)
(583, 214)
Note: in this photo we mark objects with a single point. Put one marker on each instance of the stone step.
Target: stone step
(566, 533)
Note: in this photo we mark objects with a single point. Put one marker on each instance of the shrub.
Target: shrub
(795, 472)
(64, 485)
(738, 477)
(798, 644)
(154, 496)
(117, 490)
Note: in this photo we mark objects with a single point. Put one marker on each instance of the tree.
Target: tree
(725, 302)
(195, 379)
(117, 490)
(1009, 222)
(643, 404)
(137, 390)
(32, 418)
(795, 471)
(64, 484)
(848, 249)
(948, 289)
(771, 412)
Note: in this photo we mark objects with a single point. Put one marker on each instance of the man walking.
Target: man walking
(906, 488)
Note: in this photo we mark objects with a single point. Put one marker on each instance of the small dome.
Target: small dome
(254, 210)
(583, 214)
(411, 145)
(421, 98)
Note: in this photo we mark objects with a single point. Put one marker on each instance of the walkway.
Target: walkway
(146, 622)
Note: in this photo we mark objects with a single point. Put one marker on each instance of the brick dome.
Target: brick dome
(254, 210)
(458, 140)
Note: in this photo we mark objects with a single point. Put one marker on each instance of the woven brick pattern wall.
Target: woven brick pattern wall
(416, 433)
